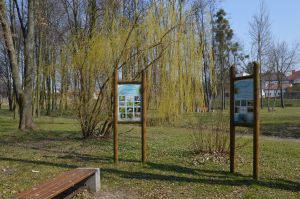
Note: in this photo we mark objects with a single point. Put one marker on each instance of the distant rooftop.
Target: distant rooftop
(294, 75)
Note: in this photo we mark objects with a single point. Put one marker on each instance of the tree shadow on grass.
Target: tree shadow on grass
(47, 136)
(191, 171)
(180, 174)
(74, 157)
(54, 164)
(86, 158)
(282, 130)
(286, 130)
(212, 177)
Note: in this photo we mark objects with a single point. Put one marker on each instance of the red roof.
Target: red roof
(294, 75)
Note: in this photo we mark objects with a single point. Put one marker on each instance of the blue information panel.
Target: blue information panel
(243, 102)
(129, 102)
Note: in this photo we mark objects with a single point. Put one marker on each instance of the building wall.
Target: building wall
(273, 93)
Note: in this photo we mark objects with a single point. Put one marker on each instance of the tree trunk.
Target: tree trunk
(27, 121)
(268, 103)
(281, 97)
(280, 80)
(10, 97)
(11, 51)
(23, 97)
(38, 76)
(9, 85)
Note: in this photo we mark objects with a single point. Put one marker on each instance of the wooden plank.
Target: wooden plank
(243, 77)
(61, 177)
(44, 185)
(256, 121)
(129, 82)
(60, 188)
(116, 144)
(47, 188)
(232, 126)
(57, 184)
(67, 183)
(144, 116)
(56, 188)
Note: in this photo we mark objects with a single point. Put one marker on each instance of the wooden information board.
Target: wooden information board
(130, 108)
(244, 111)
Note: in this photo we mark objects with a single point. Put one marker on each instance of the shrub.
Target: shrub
(212, 136)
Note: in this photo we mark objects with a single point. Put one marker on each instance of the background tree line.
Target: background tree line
(276, 58)
(59, 56)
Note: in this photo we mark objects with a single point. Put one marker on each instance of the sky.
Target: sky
(284, 16)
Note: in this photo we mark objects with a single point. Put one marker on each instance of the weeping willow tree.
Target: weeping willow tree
(93, 63)
(175, 81)
(161, 41)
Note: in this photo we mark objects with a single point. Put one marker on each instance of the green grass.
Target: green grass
(287, 102)
(283, 123)
(170, 172)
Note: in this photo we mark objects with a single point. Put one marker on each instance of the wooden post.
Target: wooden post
(116, 156)
(232, 126)
(144, 116)
(256, 127)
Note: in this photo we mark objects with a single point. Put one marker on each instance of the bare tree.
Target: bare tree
(284, 58)
(23, 93)
(204, 28)
(260, 33)
(5, 75)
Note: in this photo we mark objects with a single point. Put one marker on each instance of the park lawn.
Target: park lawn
(172, 170)
(281, 122)
(284, 123)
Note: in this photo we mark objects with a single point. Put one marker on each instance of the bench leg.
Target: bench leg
(93, 183)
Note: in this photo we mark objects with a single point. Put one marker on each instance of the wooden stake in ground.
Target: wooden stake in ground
(144, 117)
(256, 122)
(232, 127)
(116, 145)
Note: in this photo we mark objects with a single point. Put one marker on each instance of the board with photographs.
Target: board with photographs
(244, 102)
(129, 103)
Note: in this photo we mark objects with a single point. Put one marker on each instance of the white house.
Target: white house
(273, 90)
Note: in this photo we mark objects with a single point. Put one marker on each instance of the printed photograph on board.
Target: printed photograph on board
(121, 109)
(137, 103)
(137, 98)
(137, 109)
(121, 98)
(129, 98)
(129, 104)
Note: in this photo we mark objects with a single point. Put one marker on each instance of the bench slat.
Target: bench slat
(60, 188)
(57, 185)
(47, 185)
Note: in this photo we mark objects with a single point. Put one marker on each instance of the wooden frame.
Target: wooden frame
(256, 121)
(143, 119)
(129, 82)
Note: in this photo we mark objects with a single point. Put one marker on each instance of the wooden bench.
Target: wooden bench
(64, 185)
